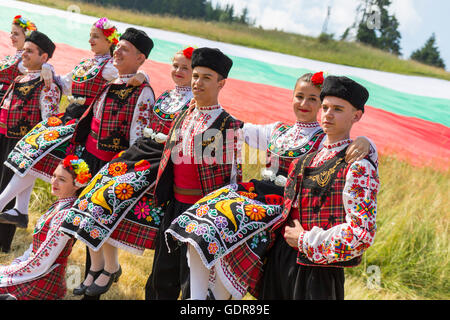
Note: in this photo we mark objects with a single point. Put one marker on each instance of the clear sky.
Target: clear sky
(418, 19)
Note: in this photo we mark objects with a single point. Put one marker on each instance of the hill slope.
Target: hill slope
(339, 52)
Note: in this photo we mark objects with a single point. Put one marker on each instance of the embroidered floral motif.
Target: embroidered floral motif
(124, 191)
(117, 169)
(142, 210)
(255, 212)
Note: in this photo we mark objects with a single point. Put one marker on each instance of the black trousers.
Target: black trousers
(284, 279)
(7, 231)
(170, 271)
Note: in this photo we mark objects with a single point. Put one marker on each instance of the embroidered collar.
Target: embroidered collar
(99, 57)
(209, 108)
(126, 76)
(33, 72)
(338, 144)
(68, 199)
(183, 89)
(307, 124)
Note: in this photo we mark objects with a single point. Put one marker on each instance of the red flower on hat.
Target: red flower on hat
(188, 52)
(317, 79)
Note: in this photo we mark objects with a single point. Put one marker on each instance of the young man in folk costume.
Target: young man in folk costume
(329, 212)
(117, 117)
(199, 157)
(27, 102)
(38, 153)
(123, 188)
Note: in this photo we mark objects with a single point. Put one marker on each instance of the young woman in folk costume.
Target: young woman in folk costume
(40, 151)
(26, 102)
(12, 66)
(39, 274)
(127, 183)
(226, 230)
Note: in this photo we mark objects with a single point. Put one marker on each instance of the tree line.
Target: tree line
(375, 26)
(194, 9)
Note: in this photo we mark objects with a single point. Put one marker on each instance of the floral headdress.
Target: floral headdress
(80, 168)
(108, 30)
(317, 79)
(25, 24)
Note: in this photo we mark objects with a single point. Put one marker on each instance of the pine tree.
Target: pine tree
(429, 53)
(376, 27)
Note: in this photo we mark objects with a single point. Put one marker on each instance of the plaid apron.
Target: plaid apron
(9, 70)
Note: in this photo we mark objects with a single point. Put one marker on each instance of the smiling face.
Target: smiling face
(306, 101)
(338, 116)
(206, 85)
(17, 37)
(63, 183)
(99, 44)
(127, 58)
(181, 71)
(33, 58)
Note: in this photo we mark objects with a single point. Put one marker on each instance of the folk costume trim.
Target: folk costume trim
(293, 141)
(89, 69)
(10, 61)
(170, 102)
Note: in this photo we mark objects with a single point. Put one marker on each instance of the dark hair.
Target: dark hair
(111, 49)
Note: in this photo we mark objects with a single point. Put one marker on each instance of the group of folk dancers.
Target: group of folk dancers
(133, 172)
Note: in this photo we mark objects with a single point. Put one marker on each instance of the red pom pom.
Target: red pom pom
(188, 52)
(317, 79)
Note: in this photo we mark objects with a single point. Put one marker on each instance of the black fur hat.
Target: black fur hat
(43, 42)
(347, 89)
(213, 59)
(139, 39)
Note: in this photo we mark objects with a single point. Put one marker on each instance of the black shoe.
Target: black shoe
(7, 296)
(21, 220)
(81, 289)
(95, 290)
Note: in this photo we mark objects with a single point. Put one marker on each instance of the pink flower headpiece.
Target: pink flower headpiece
(108, 30)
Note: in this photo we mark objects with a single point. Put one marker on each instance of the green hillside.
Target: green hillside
(340, 52)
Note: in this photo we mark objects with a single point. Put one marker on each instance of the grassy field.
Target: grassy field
(340, 52)
(409, 259)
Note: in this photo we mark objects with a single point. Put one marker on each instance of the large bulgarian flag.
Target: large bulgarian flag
(406, 115)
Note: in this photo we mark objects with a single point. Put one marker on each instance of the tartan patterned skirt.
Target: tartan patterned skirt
(117, 205)
(230, 230)
(52, 286)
